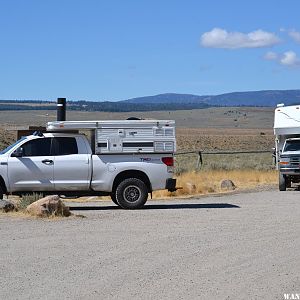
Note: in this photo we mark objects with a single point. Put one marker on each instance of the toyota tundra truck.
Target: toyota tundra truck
(124, 159)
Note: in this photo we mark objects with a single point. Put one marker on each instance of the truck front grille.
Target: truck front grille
(295, 161)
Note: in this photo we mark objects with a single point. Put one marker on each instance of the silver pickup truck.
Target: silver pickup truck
(64, 164)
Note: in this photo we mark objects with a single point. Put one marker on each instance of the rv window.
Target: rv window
(292, 146)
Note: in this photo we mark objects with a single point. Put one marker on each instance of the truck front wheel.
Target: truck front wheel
(282, 182)
(131, 193)
(113, 198)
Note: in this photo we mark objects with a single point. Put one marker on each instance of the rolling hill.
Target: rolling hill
(253, 98)
(165, 102)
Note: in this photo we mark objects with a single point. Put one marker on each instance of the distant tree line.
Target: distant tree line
(99, 106)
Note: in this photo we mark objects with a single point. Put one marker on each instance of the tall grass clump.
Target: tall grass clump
(27, 199)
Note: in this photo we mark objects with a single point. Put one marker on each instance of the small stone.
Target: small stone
(227, 184)
(6, 206)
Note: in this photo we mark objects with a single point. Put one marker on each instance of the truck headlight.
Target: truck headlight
(284, 161)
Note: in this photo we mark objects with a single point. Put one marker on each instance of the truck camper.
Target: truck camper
(126, 159)
(287, 144)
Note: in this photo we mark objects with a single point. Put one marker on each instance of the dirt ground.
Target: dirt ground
(241, 246)
(217, 117)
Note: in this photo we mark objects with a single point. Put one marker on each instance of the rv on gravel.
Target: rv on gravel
(125, 159)
(287, 144)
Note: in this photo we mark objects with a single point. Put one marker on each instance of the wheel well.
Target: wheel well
(2, 185)
(132, 174)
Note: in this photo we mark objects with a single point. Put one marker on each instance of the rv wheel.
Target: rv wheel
(282, 182)
(288, 182)
(131, 193)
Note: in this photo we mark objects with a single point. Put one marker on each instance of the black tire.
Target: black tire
(131, 193)
(113, 198)
(282, 182)
(288, 182)
(1, 192)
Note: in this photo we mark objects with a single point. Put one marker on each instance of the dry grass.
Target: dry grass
(208, 182)
(253, 161)
(6, 138)
(229, 139)
(199, 183)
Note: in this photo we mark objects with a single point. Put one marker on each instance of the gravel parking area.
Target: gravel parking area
(241, 246)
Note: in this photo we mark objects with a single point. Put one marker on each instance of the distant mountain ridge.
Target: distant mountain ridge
(168, 101)
(252, 98)
(169, 98)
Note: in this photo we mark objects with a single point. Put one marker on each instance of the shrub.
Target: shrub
(29, 198)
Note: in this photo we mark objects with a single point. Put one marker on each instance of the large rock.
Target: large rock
(7, 206)
(47, 206)
(228, 185)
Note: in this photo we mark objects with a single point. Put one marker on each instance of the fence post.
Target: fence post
(199, 161)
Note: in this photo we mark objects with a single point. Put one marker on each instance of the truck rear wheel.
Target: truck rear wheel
(282, 182)
(131, 193)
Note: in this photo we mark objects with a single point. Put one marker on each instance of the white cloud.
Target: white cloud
(271, 55)
(220, 38)
(295, 35)
(288, 58)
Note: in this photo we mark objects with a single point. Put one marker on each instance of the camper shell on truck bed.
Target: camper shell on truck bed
(125, 136)
(124, 159)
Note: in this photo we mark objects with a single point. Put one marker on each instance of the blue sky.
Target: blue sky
(115, 50)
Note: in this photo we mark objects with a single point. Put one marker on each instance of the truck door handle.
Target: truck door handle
(47, 161)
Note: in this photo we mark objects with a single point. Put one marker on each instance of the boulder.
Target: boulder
(7, 206)
(191, 187)
(47, 206)
(228, 185)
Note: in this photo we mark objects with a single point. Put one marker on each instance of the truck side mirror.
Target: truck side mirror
(18, 152)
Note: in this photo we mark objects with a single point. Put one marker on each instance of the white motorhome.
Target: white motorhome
(125, 159)
(287, 144)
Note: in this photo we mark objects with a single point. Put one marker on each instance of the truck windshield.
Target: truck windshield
(292, 146)
(14, 144)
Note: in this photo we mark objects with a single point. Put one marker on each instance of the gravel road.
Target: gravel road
(242, 246)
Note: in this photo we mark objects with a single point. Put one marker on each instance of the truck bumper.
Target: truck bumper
(171, 185)
(290, 171)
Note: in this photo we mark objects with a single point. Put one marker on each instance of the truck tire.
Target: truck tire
(282, 182)
(288, 182)
(113, 198)
(1, 192)
(131, 193)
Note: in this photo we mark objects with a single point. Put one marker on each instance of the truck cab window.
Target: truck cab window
(292, 146)
(38, 147)
(65, 146)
